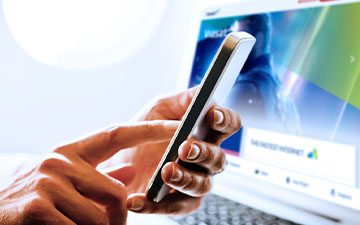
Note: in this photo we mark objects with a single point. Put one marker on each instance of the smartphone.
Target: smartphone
(214, 88)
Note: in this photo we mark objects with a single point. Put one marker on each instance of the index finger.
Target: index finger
(174, 107)
(101, 146)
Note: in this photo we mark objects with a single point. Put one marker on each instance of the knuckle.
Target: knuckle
(46, 183)
(223, 157)
(206, 185)
(236, 120)
(51, 163)
(120, 196)
(203, 186)
(157, 102)
(218, 165)
(188, 181)
(220, 162)
(36, 209)
(115, 199)
(111, 136)
(149, 130)
(122, 193)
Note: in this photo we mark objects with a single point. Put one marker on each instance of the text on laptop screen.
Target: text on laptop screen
(298, 94)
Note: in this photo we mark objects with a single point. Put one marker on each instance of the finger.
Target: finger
(190, 182)
(105, 191)
(175, 106)
(173, 203)
(124, 173)
(42, 211)
(90, 183)
(72, 204)
(57, 218)
(223, 123)
(206, 155)
(95, 186)
(101, 146)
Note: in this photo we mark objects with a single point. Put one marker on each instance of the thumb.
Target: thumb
(124, 173)
(101, 146)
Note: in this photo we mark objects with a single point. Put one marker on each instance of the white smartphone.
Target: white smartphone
(214, 88)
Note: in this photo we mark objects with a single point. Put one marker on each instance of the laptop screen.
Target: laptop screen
(298, 95)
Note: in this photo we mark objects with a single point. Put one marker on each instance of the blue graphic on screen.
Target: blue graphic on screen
(279, 88)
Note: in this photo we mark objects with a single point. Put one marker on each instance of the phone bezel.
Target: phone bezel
(157, 189)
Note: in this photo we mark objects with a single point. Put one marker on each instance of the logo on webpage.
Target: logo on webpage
(313, 154)
(222, 33)
(213, 13)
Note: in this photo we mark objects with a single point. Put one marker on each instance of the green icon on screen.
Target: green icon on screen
(313, 154)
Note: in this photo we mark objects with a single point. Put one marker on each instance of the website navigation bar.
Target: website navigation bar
(313, 186)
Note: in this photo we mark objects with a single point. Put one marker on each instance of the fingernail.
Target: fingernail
(218, 117)
(137, 204)
(176, 175)
(194, 152)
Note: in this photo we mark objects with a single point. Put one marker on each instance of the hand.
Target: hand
(65, 187)
(189, 186)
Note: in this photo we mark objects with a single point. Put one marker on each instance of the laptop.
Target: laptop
(297, 156)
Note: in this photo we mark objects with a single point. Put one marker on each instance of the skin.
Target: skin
(66, 188)
(192, 185)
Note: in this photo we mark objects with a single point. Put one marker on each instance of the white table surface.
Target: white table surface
(137, 219)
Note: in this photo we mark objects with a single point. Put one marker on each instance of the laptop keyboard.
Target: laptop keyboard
(216, 210)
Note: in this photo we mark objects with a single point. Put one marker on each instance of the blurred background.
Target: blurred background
(68, 68)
